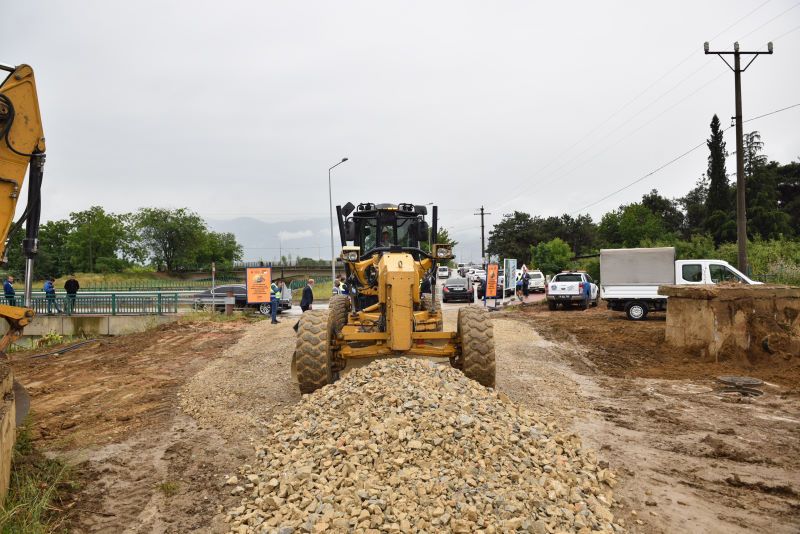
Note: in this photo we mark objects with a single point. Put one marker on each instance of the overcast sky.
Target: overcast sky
(239, 108)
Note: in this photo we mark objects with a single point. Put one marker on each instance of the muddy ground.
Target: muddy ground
(157, 421)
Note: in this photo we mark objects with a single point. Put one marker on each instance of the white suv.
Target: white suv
(443, 272)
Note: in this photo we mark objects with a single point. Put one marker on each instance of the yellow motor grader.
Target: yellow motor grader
(385, 313)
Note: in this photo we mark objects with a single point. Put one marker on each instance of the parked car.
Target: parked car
(536, 281)
(457, 289)
(443, 272)
(217, 296)
(478, 276)
(572, 287)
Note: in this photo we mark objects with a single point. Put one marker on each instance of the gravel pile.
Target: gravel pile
(407, 445)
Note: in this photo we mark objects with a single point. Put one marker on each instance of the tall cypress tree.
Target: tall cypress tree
(720, 223)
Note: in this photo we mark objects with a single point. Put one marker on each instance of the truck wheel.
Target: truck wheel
(264, 308)
(636, 311)
(477, 345)
(312, 357)
(552, 305)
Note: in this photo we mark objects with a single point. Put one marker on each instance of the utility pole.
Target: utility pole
(483, 240)
(741, 214)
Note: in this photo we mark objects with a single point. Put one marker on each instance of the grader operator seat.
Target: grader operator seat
(386, 251)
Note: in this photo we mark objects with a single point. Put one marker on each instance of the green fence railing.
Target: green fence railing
(157, 285)
(113, 304)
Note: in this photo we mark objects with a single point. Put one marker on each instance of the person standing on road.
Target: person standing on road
(307, 300)
(525, 281)
(8, 290)
(337, 287)
(71, 286)
(50, 295)
(342, 285)
(274, 298)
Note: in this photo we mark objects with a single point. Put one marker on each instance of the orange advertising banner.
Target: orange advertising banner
(259, 280)
(491, 280)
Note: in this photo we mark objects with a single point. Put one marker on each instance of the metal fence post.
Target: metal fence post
(113, 303)
(159, 303)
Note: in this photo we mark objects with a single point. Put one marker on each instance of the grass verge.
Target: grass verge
(39, 493)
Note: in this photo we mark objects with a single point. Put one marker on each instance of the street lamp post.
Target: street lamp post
(330, 201)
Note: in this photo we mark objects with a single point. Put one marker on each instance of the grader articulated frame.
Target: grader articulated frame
(385, 314)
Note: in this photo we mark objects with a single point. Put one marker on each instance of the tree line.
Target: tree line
(702, 221)
(95, 240)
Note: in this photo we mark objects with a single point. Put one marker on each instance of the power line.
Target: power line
(670, 162)
(770, 20)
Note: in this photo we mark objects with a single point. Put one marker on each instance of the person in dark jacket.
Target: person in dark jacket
(71, 286)
(8, 290)
(307, 300)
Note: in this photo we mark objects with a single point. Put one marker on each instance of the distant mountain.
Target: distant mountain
(308, 238)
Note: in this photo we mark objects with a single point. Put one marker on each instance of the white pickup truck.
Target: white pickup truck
(573, 287)
(629, 277)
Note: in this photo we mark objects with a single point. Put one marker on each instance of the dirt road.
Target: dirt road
(158, 421)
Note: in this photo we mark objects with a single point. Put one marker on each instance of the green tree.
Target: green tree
(53, 259)
(694, 207)
(551, 257)
(719, 201)
(672, 218)
(761, 192)
(788, 186)
(512, 237)
(218, 247)
(172, 237)
(96, 239)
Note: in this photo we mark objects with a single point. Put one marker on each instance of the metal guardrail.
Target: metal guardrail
(113, 304)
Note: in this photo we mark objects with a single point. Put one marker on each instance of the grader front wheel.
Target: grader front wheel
(312, 356)
(476, 334)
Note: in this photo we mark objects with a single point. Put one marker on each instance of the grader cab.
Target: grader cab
(385, 254)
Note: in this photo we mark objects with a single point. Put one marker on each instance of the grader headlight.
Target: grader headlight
(351, 254)
(443, 252)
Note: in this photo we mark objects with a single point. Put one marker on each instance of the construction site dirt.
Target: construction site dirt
(156, 422)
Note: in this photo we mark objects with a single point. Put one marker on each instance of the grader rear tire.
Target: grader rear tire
(313, 354)
(477, 345)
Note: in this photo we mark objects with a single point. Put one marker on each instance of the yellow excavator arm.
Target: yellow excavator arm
(21, 147)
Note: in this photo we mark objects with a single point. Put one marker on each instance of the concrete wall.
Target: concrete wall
(7, 425)
(94, 325)
(734, 321)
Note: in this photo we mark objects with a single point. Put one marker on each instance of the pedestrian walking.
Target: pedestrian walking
(8, 290)
(71, 286)
(275, 298)
(307, 300)
(50, 295)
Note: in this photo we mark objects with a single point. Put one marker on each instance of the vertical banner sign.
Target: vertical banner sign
(509, 276)
(491, 283)
(259, 280)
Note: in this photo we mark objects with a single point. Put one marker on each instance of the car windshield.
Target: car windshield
(535, 275)
(568, 278)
